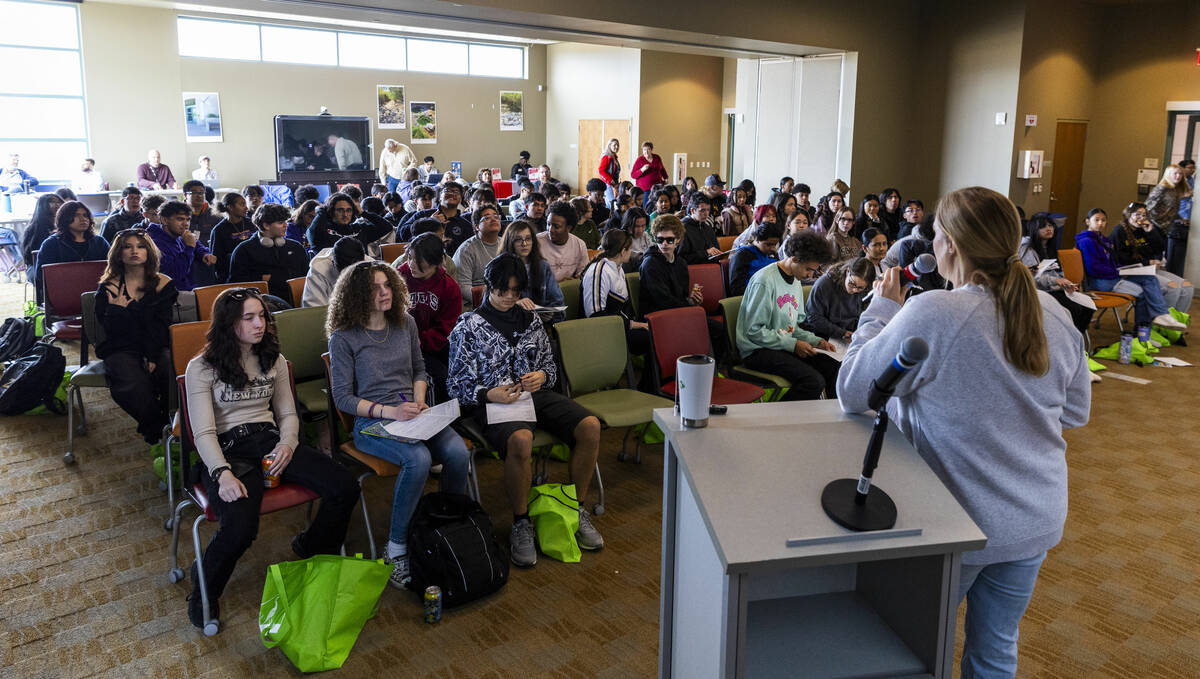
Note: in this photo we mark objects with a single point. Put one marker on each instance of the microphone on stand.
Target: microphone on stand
(923, 264)
(856, 504)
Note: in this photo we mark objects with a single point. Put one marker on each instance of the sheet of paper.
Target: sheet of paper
(1044, 265)
(549, 309)
(1127, 378)
(520, 410)
(839, 350)
(1082, 299)
(424, 426)
(1135, 270)
(1170, 360)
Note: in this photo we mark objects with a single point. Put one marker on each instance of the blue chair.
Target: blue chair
(279, 194)
(323, 192)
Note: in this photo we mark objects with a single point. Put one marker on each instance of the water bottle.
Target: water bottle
(1125, 352)
(1143, 333)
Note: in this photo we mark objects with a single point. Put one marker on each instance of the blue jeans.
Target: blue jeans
(392, 183)
(414, 460)
(997, 596)
(1149, 302)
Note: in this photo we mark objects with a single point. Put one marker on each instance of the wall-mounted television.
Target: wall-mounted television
(322, 144)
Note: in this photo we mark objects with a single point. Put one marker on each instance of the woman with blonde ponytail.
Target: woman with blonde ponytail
(1005, 375)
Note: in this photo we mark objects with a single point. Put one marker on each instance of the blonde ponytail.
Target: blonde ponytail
(986, 229)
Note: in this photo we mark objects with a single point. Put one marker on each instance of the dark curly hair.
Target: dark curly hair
(222, 351)
(353, 297)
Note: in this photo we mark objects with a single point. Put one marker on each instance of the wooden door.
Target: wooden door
(1067, 174)
(593, 139)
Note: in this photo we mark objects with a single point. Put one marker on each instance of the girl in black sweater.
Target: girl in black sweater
(269, 256)
(229, 232)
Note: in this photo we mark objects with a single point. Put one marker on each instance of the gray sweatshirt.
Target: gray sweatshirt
(991, 433)
(830, 311)
(380, 366)
(469, 260)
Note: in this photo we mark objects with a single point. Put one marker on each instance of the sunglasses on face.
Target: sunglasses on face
(665, 240)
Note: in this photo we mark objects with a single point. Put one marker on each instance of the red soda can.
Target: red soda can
(269, 480)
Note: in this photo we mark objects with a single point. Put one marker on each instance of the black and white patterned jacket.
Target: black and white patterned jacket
(482, 358)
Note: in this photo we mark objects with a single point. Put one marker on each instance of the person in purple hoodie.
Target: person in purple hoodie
(179, 248)
(1100, 263)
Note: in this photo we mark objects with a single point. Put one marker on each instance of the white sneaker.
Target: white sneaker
(1094, 377)
(1166, 321)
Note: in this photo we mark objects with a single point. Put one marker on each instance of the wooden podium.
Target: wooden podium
(739, 601)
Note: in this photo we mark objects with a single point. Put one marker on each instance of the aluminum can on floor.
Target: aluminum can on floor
(433, 604)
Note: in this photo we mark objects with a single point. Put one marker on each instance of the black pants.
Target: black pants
(239, 519)
(436, 369)
(809, 376)
(1176, 248)
(1080, 315)
(143, 394)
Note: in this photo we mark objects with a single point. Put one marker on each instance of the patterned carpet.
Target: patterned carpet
(83, 561)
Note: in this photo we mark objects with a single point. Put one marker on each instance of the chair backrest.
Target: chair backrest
(633, 281)
(301, 335)
(709, 276)
(187, 339)
(476, 296)
(65, 283)
(297, 286)
(1071, 262)
(593, 352)
(207, 296)
(730, 308)
(96, 202)
(677, 332)
(93, 332)
(346, 419)
(390, 252)
(592, 254)
(725, 243)
(572, 297)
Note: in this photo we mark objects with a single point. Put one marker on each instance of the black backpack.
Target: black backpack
(32, 380)
(451, 545)
(16, 336)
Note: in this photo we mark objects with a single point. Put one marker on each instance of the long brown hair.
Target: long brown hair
(114, 271)
(353, 297)
(534, 261)
(986, 230)
(222, 351)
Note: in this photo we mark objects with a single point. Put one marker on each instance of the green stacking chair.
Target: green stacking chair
(573, 298)
(302, 340)
(730, 307)
(89, 376)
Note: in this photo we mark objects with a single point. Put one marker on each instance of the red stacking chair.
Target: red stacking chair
(64, 286)
(283, 496)
(683, 331)
(709, 276)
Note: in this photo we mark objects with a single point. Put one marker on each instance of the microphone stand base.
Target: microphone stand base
(877, 513)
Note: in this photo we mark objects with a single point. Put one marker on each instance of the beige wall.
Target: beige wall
(134, 79)
(680, 109)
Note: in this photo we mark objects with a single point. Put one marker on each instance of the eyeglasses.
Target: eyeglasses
(845, 219)
(524, 240)
(854, 287)
(664, 240)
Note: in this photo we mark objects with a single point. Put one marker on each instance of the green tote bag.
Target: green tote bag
(314, 609)
(554, 511)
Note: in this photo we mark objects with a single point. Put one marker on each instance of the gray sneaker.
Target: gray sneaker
(401, 575)
(588, 537)
(522, 544)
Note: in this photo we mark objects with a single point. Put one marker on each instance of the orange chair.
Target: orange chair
(187, 339)
(1072, 268)
(709, 277)
(592, 254)
(390, 252)
(725, 242)
(206, 296)
(64, 285)
(283, 496)
(683, 331)
(297, 286)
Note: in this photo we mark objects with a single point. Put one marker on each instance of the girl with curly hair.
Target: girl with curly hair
(377, 374)
(241, 409)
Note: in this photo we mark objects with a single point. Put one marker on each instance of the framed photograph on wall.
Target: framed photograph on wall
(680, 170)
(1031, 165)
(202, 116)
(512, 116)
(390, 100)
(423, 115)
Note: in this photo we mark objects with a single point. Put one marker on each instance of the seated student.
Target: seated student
(297, 228)
(890, 213)
(426, 168)
(1137, 240)
(458, 227)
(785, 206)
(377, 373)
(586, 230)
(254, 195)
(341, 216)
(922, 233)
(74, 240)
(404, 188)
(521, 240)
(241, 409)
(737, 215)
(307, 192)
(841, 238)
(478, 196)
(179, 250)
(373, 211)
(829, 209)
(551, 192)
(606, 292)
(326, 266)
(1037, 245)
(498, 352)
(663, 275)
(802, 192)
(41, 225)
(421, 199)
(874, 247)
(436, 305)
(595, 195)
(473, 255)
(379, 190)
(150, 207)
(127, 213)
(566, 252)
(203, 219)
(268, 255)
(622, 205)
(914, 211)
(429, 225)
(836, 299)
(229, 232)
(748, 259)
(659, 203)
(134, 304)
(393, 206)
(770, 336)
(763, 214)
(699, 240)
(636, 225)
(1100, 263)
(517, 205)
(868, 217)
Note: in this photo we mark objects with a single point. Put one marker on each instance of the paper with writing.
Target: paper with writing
(520, 410)
(426, 425)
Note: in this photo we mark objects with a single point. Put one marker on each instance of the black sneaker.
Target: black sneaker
(297, 547)
(196, 602)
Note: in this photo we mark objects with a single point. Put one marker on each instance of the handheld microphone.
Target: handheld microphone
(923, 264)
(912, 353)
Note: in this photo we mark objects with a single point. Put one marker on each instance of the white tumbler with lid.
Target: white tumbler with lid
(694, 379)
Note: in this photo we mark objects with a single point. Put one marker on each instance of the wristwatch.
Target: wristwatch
(216, 473)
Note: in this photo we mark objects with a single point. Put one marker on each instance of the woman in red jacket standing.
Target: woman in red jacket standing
(648, 169)
(610, 169)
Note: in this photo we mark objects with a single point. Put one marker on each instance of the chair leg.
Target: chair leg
(598, 508)
(473, 479)
(168, 472)
(211, 625)
(362, 496)
(621, 456)
(83, 426)
(176, 574)
(69, 456)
